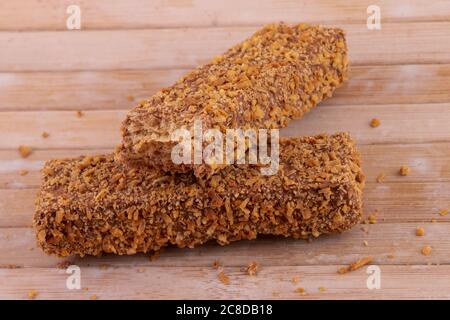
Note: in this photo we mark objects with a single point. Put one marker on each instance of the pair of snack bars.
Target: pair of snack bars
(138, 200)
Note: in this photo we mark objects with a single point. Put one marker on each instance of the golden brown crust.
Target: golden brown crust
(90, 205)
(276, 75)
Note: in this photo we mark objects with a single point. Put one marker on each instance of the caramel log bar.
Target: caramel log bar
(90, 205)
(276, 75)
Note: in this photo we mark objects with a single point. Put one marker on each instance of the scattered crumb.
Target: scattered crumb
(10, 266)
(104, 266)
(224, 278)
(390, 256)
(63, 264)
(130, 98)
(94, 297)
(443, 212)
(275, 294)
(32, 294)
(45, 134)
(404, 170)
(86, 289)
(252, 268)
(31, 248)
(433, 220)
(366, 243)
(381, 177)
(371, 219)
(356, 265)
(420, 232)
(141, 270)
(295, 279)
(79, 113)
(216, 264)
(23, 172)
(322, 289)
(426, 250)
(301, 290)
(155, 255)
(25, 151)
(365, 229)
(375, 122)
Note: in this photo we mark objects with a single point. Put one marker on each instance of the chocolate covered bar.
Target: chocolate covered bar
(276, 75)
(91, 205)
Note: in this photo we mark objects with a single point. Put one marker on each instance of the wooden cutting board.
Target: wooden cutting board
(127, 50)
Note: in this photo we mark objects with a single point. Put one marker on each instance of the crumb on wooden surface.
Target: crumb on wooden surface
(295, 279)
(252, 268)
(433, 220)
(94, 297)
(366, 243)
(375, 122)
(426, 250)
(322, 289)
(141, 270)
(301, 290)
(155, 255)
(25, 151)
(45, 135)
(79, 113)
(443, 212)
(63, 264)
(130, 98)
(104, 266)
(390, 256)
(275, 294)
(224, 278)
(404, 170)
(356, 265)
(380, 178)
(32, 294)
(371, 219)
(216, 264)
(420, 232)
(23, 172)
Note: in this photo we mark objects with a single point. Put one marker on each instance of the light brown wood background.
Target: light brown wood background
(126, 50)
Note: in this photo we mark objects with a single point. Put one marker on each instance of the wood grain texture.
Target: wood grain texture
(100, 129)
(395, 43)
(134, 14)
(388, 243)
(127, 50)
(104, 90)
(398, 282)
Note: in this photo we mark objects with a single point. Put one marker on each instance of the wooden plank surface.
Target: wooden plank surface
(416, 123)
(126, 51)
(397, 43)
(398, 282)
(104, 90)
(135, 14)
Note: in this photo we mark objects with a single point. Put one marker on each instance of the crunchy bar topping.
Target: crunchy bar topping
(278, 74)
(144, 209)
